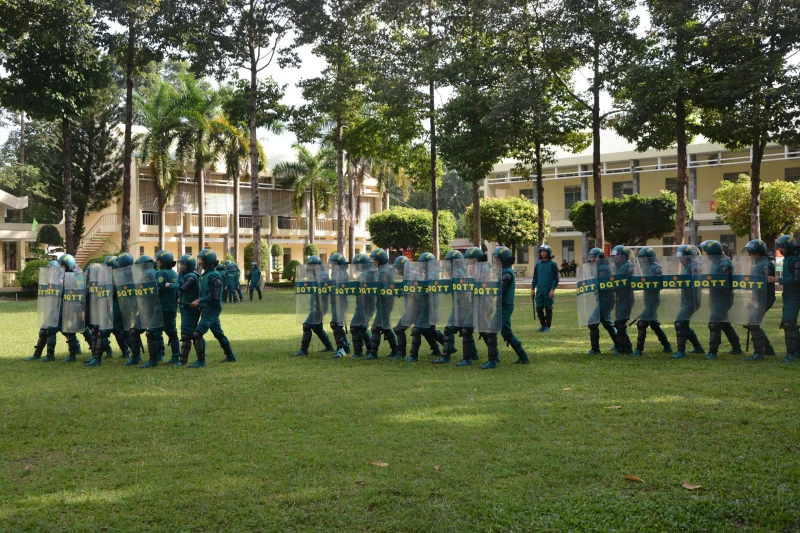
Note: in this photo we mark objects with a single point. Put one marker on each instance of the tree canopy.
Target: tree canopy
(511, 222)
(403, 228)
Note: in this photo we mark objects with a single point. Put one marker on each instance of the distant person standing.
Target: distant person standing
(543, 287)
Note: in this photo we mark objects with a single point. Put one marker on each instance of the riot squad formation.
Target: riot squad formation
(464, 294)
(687, 287)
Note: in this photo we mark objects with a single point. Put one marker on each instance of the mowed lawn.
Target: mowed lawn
(282, 443)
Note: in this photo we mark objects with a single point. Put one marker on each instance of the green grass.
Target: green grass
(280, 443)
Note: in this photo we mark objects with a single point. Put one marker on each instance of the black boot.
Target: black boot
(305, 341)
(548, 318)
(186, 346)
(41, 342)
(491, 347)
(594, 340)
(542, 319)
(200, 350)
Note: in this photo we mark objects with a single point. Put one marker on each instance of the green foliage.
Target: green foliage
(48, 234)
(290, 270)
(508, 221)
(248, 256)
(310, 249)
(311, 173)
(780, 207)
(276, 251)
(631, 220)
(30, 274)
(228, 257)
(409, 229)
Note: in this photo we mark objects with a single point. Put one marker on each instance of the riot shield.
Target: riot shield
(715, 287)
(73, 310)
(48, 304)
(587, 289)
(463, 275)
(679, 299)
(147, 300)
(606, 297)
(440, 293)
(750, 290)
(101, 301)
(367, 286)
(487, 298)
(627, 306)
(306, 295)
(126, 296)
(415, 290)
(646, 284)
(386, 300)
(343, 295)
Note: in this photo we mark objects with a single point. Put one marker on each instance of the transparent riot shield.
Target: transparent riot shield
(714, 283)
(386, 299)
(680, 301)
(147, 300)
(416, 294)
(587, 290)
(750, 290)
(606, 297)
(124, 288)
(440, 293)
(463, 275)
(73, 310)
(101, 302)
(487, 298)
(342, 299)
(627, 306)
(646, 284)
(306, 295)
(367, 286)
(48, 304)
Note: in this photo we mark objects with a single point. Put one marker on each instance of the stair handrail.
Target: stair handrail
(95, 229)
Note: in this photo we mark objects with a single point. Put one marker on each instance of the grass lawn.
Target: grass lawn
(282, 443)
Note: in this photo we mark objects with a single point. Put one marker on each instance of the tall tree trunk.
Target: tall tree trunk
(598, 190)
(127, 149)
(162, 219)
(340, 214)
(67, 184)
(755, 189)
(476, 214)
(434, 189)
(86, 188)
(312, 216)
(351, 238)
(201, 205)
(539, 194)
(683, 171)
(21, 212)
(255, 194)
(236, 182)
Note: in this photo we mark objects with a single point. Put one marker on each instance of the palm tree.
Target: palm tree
(196, 142)
(162, 116)
(312, 176)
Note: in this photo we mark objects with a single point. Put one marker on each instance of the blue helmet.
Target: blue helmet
(647, 252)
(400, 260)
(253, 264)
(379, 255)
(188, 260)
(757, 246)
(546, 249)
(686, 250)
(361, 259)
(124, 260)
(337, 259)
(786, 242)
(621, 250)
(67, 261)
(314, 260)
(475, 253)
(596, 253)
(207, 258)
(166, 258)
(111, 260)
(712, 247)
(453, 254)
(504, 254)
(142, 259)
(53, 263)
(424, 257)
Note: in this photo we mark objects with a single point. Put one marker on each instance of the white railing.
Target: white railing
(150, 218)
(211, 221)
(558, 214)
(324, 224)
(292, 224)
(109, 219)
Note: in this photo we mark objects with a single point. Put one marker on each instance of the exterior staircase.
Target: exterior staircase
(95, 239)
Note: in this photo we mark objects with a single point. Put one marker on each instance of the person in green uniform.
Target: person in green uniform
(384, 304)
(313, 322)
(422, 327)
(48, 335)
(605, 304)
(624, 299)
(762, 266)
(188, 289)
(210, 304)
(339, 303)
(543, 287)
(690, 303)
(508, 279)
(68, 264)
(168, 294)
(237, 281)
(365, 308)
(652, 300)
(469, 349)
(254, 280)
(790, 281)
(119, 332)
(154, 335)
(231, 275)
(448, 337)
(720, 300)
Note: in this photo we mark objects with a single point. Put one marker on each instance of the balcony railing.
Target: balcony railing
(326, 225)
(293, 224)
(150, 218)
(212, 221)
(246, 222)
(705, 209)
(558, 214)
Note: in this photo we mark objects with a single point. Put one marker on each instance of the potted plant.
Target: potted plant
(277, 252)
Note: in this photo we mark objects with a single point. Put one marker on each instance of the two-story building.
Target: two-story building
(570, 181)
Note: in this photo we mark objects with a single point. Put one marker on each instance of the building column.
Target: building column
(182, 242)
(226, 242)
(2, 261)
(635, 175)
(20, 255)
(582, 169)
(692, 197)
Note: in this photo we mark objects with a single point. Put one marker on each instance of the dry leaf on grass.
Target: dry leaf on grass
(378, 463)
(634, 478)
(437, 467)
(614, 407)
(689, 486)
(566, 388)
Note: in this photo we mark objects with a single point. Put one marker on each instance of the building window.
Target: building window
(728, 244)
(10, 255)
(530, 194)
(572, 195)
(523, 255)
(622, 188)
(141, 250)
(188, 250)
(287, 256)
(791, 174)
(567, 250)
(668, 241)
(671, 185)
(734, 176)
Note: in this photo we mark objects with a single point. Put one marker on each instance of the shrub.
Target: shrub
(248, 256)
(277, 252)
(290, 270)
(30, 274)
(310, 249)
(48, 234)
